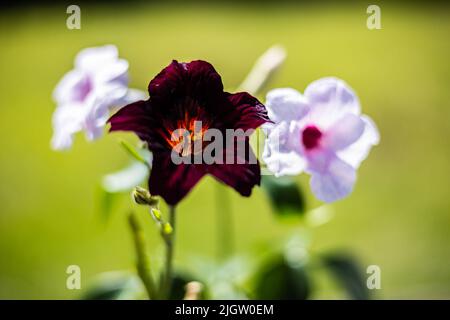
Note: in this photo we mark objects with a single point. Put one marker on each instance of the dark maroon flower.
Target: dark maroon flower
(180, 95)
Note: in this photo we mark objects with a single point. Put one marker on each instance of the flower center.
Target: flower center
(187, 137)
(311, 137)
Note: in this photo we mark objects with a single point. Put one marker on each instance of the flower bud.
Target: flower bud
(156, 214)
(143, 196)
(166, 229)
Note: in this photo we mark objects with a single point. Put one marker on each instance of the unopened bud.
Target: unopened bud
(143, 196)
(167, 229)
(156, 214)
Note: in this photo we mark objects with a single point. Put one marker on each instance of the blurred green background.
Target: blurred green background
(398, 216)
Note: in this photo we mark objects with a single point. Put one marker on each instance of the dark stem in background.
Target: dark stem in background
(168, 273)
(262, 72)
(259, 76)
(224, 223)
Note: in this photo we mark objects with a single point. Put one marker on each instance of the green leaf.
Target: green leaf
(279, 280)
(227, 279)
(118, 182)
(348, 273)
(319, 216)
(114, 286)
(284, 194)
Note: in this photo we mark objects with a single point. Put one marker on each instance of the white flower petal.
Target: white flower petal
(62, 140)
(109, 95)
(97, 57)
(70, 87)
(94, 122)
(344, 132)
(281, 151)
(346, 137)
(133, 95)
(329, 99)
(68, 118)
(285, 104)
(359, 150)
(86, 95)
(93, 131)
(335, 183)
(114, 71)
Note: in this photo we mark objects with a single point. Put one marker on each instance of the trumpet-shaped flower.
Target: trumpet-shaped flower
(322, 133)
(183, 96)
(86, 94)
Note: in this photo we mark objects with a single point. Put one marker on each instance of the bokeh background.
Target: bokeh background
(398, 216)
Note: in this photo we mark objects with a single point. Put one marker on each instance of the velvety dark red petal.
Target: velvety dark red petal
(167, 84)
(246, 112)
(197, 80)
(181, 94)
(134, 117)
(173, 182)
(242, 177)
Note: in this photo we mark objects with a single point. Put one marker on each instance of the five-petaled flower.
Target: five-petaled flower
(322, 133)
(86, 95)
(181, 96)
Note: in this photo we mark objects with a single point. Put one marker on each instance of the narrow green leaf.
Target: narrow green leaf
(132, 151)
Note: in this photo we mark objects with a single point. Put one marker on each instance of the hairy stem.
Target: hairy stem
(170, 241)
(142, 259)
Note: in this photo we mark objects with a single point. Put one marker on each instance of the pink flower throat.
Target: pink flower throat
(311, 137)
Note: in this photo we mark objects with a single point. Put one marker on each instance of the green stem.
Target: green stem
(168, 274)
(142, 259)
(225, 228)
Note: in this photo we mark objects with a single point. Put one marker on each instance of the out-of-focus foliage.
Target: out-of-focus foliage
(278, 280)
(114, 286)
(284, 194)
(348, 273)
(49, 203)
